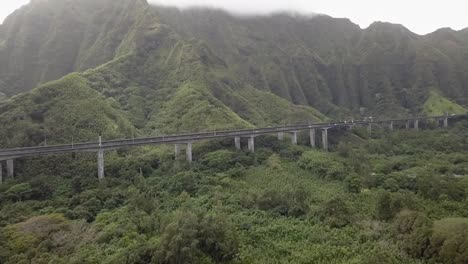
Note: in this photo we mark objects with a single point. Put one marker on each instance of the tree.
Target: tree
(335, 213)
(385, 206)
(19, 192)
(197, 238)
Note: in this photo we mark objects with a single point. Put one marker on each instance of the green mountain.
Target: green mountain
(171, 71)
(326, 62)
(158, 79)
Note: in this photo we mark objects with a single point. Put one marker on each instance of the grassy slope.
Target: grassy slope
(438, 105)
(59, 111)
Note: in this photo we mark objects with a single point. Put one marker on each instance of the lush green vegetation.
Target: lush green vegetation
(151, 52)
(392, 198)
(437, 105)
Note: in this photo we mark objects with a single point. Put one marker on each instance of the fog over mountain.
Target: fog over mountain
(419, 16)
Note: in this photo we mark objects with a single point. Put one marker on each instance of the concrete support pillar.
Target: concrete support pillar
(251, 144)
(101, 164)
(1, 173)
(369, 128)
(294, 138)
(312, 138)
(188, 151)
(10, 168)
(391, 126)
(325, 139)
(416, 124)
(446, 122)
(237, 143)
(177, 151)
(280, 135)
(407, 124)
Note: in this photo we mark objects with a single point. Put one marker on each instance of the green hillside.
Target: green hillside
(437, 105)
(326, 62)
(59, 112)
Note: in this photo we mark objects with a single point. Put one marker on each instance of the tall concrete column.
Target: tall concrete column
(391, 126)
(10, 168)
(280, 136)
(177, 151)
(312, 138)
(251, 144)
(407, 124)
(294, 138)
(237, 142)
(1, 173)
(446, 122)
(188, 151)
(101, 164)
(369, 128)
(325, 139)
(416, 124)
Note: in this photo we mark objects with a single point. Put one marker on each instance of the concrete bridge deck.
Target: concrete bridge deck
(100, 146)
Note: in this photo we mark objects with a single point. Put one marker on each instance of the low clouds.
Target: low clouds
(8, 6)
(420, 16)
(241, 6)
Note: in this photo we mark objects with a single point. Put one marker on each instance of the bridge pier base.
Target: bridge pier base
(177, 151)
(391, 126)
(294, 138)
(407, 124)
(312, 138)
(325, 139)
(188, 152)
(280, 136)
(251, 144)
(446, 122)
(369, 128)
(237, 143)
(101, 165)
(416, 124)
(10, 168)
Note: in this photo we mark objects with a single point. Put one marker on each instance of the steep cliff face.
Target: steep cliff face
(48, 39)
(174, 71)
(328, 62)
(157, 81)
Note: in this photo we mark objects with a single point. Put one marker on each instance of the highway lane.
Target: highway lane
(184, 138)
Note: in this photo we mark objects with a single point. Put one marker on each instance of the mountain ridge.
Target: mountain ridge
(230, 72)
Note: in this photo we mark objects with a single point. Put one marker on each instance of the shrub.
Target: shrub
(283, 203)
(182, 182)
(387, 206)
(19, 192)
(192, 238)
(449, 241)
(413, 229)
(220, 160)
(335, 213)
(353, 183)
(323, 165)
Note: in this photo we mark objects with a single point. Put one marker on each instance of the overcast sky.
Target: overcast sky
(420, 16)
